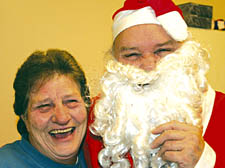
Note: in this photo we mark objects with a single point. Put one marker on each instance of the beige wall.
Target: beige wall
(81, 27)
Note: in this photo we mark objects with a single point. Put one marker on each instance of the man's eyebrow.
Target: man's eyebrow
(122, 49)
(165, 43)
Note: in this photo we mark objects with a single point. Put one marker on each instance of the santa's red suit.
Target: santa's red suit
(214, 132)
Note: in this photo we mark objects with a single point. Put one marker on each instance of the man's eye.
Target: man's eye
(44, 107)
(163, 51)
(131, 55)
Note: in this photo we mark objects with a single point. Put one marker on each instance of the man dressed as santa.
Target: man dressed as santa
(156, 105)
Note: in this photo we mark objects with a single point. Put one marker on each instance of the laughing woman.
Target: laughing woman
(51, 100)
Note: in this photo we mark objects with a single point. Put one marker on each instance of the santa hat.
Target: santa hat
(161, 12)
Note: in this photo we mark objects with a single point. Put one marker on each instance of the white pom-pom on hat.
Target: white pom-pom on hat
(161, 12)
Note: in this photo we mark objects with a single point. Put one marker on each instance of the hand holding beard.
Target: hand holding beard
(135, 102)
(179, 142)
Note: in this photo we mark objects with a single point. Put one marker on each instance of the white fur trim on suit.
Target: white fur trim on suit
(208, 158)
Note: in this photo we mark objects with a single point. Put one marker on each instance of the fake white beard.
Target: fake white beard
(135, 102)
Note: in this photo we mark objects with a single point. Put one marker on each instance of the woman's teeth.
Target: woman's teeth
(62, 131)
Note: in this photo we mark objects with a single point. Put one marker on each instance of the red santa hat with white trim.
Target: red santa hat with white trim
(161, 12)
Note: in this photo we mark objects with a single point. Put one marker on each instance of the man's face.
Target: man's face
(143, 46)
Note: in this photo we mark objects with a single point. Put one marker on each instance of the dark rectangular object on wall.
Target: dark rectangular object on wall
(197, 15)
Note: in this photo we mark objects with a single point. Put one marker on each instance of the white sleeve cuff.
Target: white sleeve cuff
(208, 158)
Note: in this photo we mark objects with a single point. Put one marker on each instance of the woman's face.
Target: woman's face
(56, 119)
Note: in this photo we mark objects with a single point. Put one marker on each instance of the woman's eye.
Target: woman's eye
(70, 103)
(44, 107)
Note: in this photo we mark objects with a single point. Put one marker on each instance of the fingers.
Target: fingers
(168, 135)
(185, 153)
(174, 125)
(179, 142)
(170, 146)
(184, 159)
(177, 132)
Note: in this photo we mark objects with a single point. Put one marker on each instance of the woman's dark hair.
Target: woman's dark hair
(41, 66)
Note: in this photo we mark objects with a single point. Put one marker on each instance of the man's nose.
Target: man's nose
(61, 115)
(149, 61)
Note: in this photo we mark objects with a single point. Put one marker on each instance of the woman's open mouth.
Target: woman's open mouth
(62, 133)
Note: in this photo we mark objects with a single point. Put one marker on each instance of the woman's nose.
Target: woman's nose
(61, 115)
(149, 62)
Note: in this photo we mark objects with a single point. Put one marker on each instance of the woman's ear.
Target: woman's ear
(24, 119)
